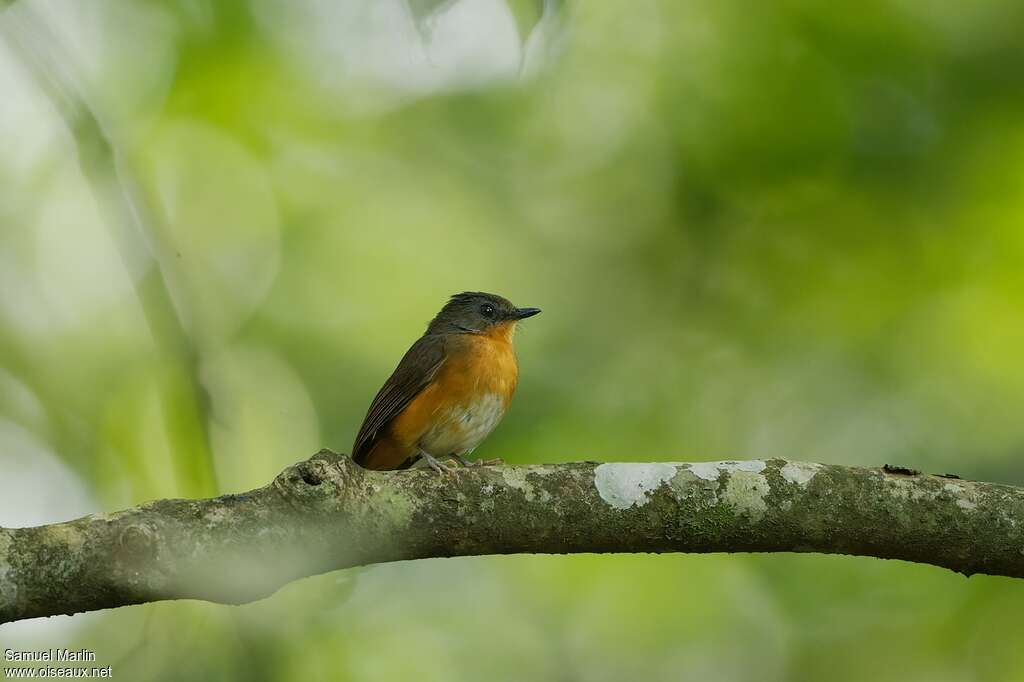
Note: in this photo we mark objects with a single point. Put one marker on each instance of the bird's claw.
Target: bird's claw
(479, 462)
(456, 461)
(437, 465)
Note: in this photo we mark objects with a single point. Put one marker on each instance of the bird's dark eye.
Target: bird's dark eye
(487, 310)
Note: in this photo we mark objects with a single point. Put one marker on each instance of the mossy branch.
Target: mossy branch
(328, 513)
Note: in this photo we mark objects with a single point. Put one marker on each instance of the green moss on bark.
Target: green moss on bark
(327, 513)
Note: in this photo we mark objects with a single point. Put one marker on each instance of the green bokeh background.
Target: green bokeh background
(787, 229)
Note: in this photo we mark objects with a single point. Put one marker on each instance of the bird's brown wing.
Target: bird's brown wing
(414, 373)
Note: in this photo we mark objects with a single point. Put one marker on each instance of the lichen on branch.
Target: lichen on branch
(327, 513)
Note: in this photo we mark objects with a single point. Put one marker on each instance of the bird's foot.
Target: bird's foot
(479, 462)
(437, 465)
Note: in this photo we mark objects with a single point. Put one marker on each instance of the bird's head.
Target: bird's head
(474, 312)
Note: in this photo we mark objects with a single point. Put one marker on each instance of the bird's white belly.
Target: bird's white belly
(463, 427)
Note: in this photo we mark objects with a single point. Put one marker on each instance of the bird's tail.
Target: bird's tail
(385, 455)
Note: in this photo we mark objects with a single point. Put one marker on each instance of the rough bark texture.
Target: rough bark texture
(328, 513)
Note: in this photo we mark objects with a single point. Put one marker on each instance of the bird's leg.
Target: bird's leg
(435, 464)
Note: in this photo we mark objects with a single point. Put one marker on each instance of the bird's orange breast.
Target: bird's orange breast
(467, 398)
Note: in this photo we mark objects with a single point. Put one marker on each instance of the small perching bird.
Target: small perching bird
(450, 390)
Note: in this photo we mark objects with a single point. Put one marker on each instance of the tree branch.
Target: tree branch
(328, 513)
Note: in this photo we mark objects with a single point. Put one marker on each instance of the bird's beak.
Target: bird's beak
(523, 313)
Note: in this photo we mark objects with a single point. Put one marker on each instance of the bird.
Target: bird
(449, 391)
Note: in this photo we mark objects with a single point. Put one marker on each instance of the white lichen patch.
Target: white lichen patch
(964, 495)
(626, 485)
(705, 470)
(515, 477)
(709, 471)
(215, 515)
(799, 473)
(745, 493)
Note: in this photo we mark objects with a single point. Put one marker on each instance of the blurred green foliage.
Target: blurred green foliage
(786, 229)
